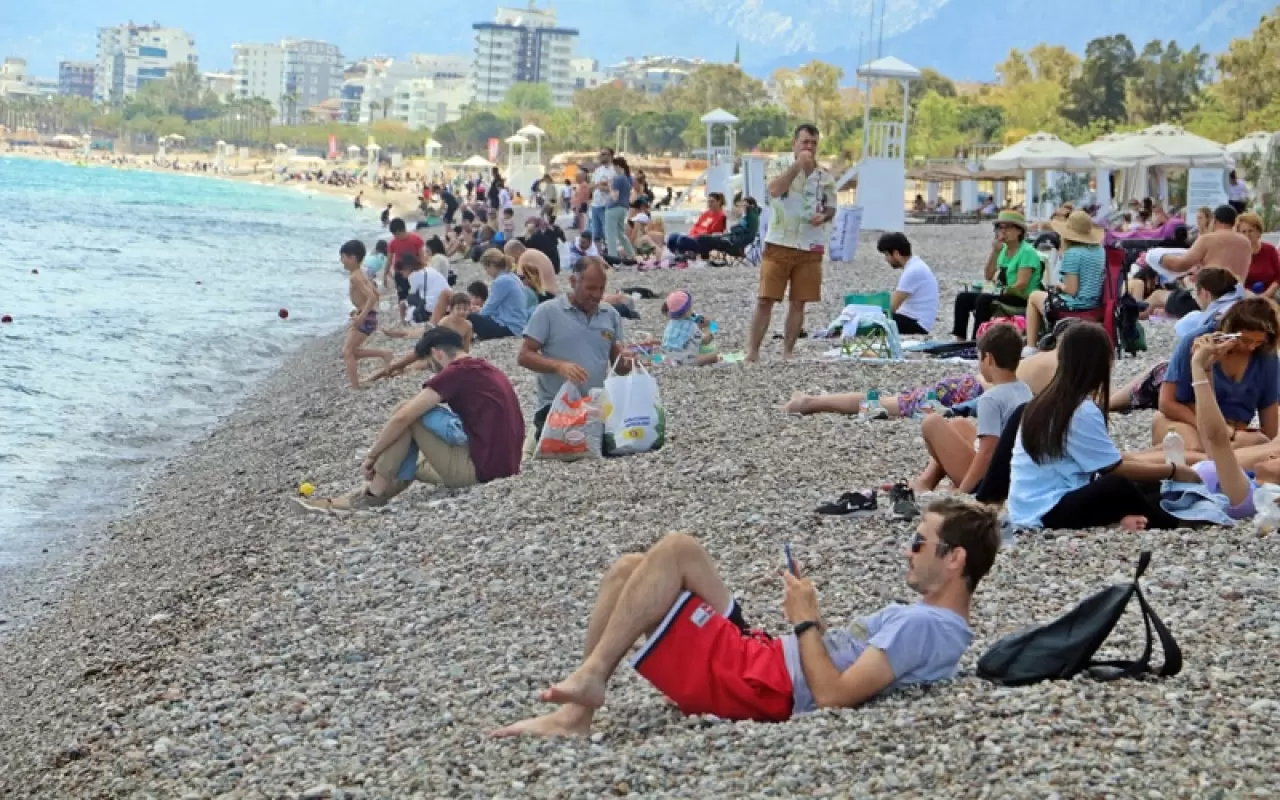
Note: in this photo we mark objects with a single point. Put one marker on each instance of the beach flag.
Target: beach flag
(333, 147)
(494, 144)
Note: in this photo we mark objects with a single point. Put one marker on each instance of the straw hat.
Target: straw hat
(1079, 228)
(1012, 218)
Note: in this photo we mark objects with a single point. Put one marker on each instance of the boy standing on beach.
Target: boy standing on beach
(364, 296)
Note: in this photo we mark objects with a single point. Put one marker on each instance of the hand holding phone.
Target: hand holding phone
(791, 562)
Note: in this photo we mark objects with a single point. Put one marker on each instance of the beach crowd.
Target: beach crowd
(1017, 442)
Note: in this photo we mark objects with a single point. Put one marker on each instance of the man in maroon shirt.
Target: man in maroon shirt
(485, 402)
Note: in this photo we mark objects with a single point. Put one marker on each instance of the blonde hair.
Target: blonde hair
(493, 257)
(1251, 219)
(532, 278)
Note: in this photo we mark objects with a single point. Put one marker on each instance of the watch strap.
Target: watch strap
(804, 626)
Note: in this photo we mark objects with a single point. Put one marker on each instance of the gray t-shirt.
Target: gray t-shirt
(566, 333)
(923, 643)
(997, 404)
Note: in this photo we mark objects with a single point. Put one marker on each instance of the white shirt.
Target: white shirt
(921, 287)
(1237, 192)
(428, 284)
(576, 253)
(602, 174)
(504, 198)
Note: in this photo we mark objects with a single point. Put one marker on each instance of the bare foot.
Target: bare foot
(796, 404)
(1134, 522)
(751, 358)
(580, 688)
(570, 720)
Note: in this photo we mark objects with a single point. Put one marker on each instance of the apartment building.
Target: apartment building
(294, 74)
(131, 56)
(75, 78)
(523, 45)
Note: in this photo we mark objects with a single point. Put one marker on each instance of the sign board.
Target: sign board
(1205, 187)
(844, 233)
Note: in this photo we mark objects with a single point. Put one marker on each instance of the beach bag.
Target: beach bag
(446, 424)
(1019, 322)
(1066, 647)
(573, 429)
(634, 419)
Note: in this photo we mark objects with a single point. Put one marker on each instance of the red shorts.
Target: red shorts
(707, 665)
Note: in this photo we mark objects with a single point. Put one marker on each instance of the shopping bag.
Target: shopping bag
(634, 419)
(573, 429)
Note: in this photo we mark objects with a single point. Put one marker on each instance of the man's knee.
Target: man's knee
(933, 425)
(796, 306)
(623, 567)
(677, 541)
(765, 304)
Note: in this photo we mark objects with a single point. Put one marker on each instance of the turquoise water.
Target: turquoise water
(154, 311)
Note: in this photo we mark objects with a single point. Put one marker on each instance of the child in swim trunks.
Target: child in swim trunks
(364, 320)
(688, 338)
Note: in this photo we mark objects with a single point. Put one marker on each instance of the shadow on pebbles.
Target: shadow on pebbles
(223, 645)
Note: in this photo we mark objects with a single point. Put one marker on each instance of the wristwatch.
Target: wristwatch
(804, 626)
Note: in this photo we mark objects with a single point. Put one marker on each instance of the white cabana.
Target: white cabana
(1146, 155)
(1255, 144)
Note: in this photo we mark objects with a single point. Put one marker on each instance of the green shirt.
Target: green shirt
(1025, 257)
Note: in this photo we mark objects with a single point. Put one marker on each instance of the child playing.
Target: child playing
(456, 320)
(951, 441)
(364, 321)
(688, 338)
(376, 262)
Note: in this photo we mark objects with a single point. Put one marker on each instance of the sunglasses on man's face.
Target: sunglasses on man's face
(918, 542)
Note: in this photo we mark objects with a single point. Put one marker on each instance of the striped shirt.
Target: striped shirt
(1089, 263)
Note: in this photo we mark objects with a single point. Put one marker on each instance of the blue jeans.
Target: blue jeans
(597, 223)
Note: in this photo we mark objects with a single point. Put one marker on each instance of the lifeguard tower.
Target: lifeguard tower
(882, 171)
(720, 157)
(523, 167)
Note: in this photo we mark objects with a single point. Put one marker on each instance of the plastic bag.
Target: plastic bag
(634, 419)
(1266, 499)
(573, 429)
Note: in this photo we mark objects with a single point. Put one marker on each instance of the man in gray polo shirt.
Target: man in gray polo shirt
(574, 337)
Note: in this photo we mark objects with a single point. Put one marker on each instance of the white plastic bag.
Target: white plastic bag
(634, 419)
(1265, 500)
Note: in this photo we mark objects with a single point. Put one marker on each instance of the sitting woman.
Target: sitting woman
(739, 237)
(1065, 471)
(531, 277)
(1018, 265)
(1246, 379)
(1264, 265)
(507, 310)
(1083, 268)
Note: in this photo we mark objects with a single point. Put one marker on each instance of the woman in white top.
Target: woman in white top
(1237, 193)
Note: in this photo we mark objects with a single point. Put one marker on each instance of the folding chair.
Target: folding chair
(1105, 313)
(877, 340)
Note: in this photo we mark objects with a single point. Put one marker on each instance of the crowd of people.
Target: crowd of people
(1023, 437)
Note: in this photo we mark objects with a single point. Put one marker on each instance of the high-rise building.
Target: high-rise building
(523, 45)
(75, 78)
(383, 77)
(294, 75)
(131, 56)
(13, 78)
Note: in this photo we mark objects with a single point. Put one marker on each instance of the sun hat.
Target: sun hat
(678, 303)
(1079, 228)
(1012, 218)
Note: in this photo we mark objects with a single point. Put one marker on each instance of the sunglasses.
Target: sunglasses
(918, 542)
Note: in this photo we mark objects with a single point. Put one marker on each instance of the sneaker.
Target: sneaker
(879, 412)
(902, 500)
(850, 503)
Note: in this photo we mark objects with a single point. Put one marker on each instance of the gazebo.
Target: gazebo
(1043, 152)
(1255, 144)
(882, 171)
(535, 133)
(1150, 152)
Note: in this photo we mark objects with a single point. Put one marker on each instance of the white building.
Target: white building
(523, 45)
(586, 74)
(13, 78)
(428, 103)
(654, 74)
(223, 84)
(131, 56)
(294, 75)
(384, 77)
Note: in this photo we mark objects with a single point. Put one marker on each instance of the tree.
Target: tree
(658, 131)
(934, 130)
(715, 85)
(524, 98)
(1053, 63)
(933, 81)
(758, 124)
(811, 92)
(1167, 83)
(1249, 81)
(591, 102)
(1015, 69)
(1098, 93)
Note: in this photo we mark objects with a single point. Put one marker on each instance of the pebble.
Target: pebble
(298, 652)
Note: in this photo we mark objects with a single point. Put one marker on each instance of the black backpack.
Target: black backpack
(1065, 647)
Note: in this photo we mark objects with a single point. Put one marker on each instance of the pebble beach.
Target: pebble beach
(213, 642)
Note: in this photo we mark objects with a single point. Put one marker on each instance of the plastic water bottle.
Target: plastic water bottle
(869, 404)
(1175, 450)
(929, 406)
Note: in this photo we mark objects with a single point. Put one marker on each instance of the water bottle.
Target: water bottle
(929, 406)
(1175, 450)
(869, 404)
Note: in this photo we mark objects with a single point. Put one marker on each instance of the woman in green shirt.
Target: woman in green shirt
(1014, 264)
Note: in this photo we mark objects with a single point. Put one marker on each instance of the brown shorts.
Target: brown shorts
(783, 266)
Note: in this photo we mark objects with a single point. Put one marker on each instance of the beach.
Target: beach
(215, 643)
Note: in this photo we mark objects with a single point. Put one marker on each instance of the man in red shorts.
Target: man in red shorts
(700, 654)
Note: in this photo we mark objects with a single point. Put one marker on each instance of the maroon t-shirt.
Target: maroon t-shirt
(410, 243)
(482, 396)
(1264, 268)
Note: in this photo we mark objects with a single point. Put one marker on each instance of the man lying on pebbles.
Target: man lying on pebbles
(701, 655)
(482, 397)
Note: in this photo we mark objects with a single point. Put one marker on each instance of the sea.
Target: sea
(144, 306)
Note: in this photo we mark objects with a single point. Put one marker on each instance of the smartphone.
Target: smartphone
(791, 562)
(1222, 337)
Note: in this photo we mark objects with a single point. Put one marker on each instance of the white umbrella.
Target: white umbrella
(1255, 144)
(477, 161)
(1160, 146)
(177, 137)
(531, 130)
(281, 146)
(1040, 151)
(355, 148)
(719, 117)
(517, 139)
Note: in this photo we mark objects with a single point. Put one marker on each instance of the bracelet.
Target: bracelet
(1203, 382)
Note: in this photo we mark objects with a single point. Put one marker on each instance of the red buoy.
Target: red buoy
(6, 319)
(35, 272)
(284, 313)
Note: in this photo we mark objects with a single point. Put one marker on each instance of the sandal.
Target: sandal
(849, 503)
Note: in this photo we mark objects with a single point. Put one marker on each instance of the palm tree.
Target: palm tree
(290, 101)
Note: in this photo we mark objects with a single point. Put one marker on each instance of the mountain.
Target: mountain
(965, 39)
(961, 38)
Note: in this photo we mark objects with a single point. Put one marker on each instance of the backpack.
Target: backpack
(1130, 336)
(1065, 647)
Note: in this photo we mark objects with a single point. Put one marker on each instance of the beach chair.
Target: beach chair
(1113, 286)
(872, 340)
(742, 255)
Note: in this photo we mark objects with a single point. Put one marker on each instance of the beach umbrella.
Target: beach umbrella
(1159, 146)
(1040, 151)
(1255, 144)
(477, 162)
